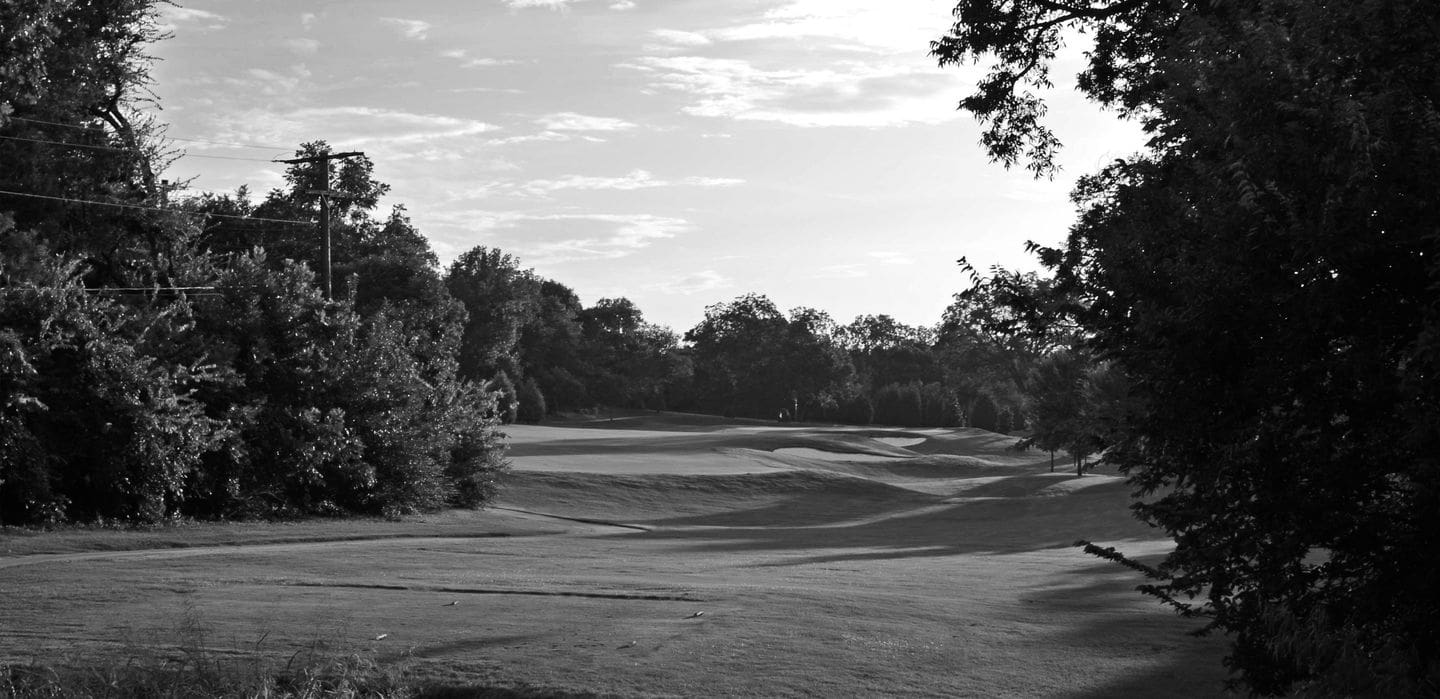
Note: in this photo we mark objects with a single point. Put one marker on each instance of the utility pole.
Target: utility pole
(325, 194)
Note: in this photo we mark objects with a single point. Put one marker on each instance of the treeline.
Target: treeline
(979, 366)
(158, 360)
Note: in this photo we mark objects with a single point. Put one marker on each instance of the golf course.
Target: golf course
(660, 554)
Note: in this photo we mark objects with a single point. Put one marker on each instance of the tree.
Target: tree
(628, 361)
(72, 79)
(737, 364)
(499, 297)
(550, 347)
(751, 360)
(335, 412)
(1264, 275)
(1056, 406)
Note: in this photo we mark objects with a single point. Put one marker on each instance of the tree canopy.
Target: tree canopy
(155, 363)
(1264, 273)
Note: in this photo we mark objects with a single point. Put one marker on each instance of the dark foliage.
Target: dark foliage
(1265, 276)
(125, 397)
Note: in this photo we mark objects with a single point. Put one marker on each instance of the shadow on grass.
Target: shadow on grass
(903, 528)
(1124, 624)
(682, 443)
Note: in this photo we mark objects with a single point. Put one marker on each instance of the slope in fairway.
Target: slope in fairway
(670, 555)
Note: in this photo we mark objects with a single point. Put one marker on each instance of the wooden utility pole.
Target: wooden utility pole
(325, 193)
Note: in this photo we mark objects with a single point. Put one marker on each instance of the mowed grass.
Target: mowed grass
(661, 555)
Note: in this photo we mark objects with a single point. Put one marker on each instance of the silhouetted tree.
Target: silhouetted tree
(1264, 275)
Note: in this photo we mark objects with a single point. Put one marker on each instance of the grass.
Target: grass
(943, 568)
(194, 667)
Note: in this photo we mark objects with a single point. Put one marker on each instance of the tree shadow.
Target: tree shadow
(913, 528)
(1125, 624)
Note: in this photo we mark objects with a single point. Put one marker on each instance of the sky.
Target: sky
(679, 153)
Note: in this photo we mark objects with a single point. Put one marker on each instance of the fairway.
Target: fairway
(665, 554)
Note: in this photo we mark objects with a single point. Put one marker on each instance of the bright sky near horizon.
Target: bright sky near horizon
(675, 152)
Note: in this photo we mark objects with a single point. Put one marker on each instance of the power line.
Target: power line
(169, 137)
(72, 145)
(155, 208)
(110, 290)
(185, 154)
(131, 150)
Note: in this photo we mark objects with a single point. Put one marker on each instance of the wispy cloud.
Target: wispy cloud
(551, 238)
(468, 61)
(627, 234)
(898, 26)
(681, 38)
(303, 45)
(281, 87)
(619, 5)
(844, 93)
(706, 280)
(570, 121)
(409, 28)
(636, 179)
(173, 18)
(541, 137)
(398, 134)
(547, 4)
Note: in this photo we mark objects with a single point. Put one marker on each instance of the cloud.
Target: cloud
(409, 28)
(504, 90)
(569, 237)
(307, 20)
(628, 233)
(570, 121)
(395, 134)
(622, 5)
(636, 179)
(303, 45)
(542, 137)
(844, 93)
(898, 26)
(171, 17)
(705, 280)
(680, 38)
(547, 4)
(268, 83)
(467, 61)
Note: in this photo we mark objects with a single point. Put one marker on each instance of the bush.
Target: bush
(95, 423)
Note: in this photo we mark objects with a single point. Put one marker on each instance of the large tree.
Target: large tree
(751, 360)
(1265, 273)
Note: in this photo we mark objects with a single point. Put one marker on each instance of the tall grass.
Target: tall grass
(194, 667)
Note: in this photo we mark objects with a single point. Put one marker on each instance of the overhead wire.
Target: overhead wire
(132, 150)
(172, 138)
(154, 208)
